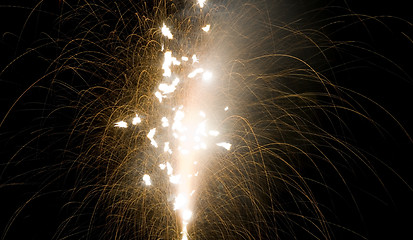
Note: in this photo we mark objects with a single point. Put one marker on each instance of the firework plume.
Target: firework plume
(201, 119)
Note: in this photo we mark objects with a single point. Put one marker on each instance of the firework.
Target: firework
(194, 120)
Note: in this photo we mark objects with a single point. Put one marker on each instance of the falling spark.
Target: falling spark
(169, 169)
(150, 135)
(165, 122)
(136, 120)
(206, 28)
(162, 166)
(121, 124)
(195, 72)
(166, 32)
(195, 59)
(159, 96)
(225, 145)
(166, 148)
(147, 179)
(226, 108)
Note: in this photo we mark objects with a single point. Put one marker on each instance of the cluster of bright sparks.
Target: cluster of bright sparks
(185, 128)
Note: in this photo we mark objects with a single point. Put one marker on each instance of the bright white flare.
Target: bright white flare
(150, 135)
(166, 32)
(180, 201)
(168, 88)
(201, 3)
(169, 168)
(225, 145)
(162, 166)
(159, 96)
(147, 179)
(206, 28)
(121, 124)
(136, 120)
(194, 59)
(165, 122)
(166, 148)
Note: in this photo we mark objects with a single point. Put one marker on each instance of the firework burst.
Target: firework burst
(191, 120)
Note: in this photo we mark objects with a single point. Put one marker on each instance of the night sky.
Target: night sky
(382, 211)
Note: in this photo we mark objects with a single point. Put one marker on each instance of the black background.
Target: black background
(385, 212)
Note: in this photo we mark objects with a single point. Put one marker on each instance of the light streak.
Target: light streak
(121, 124)
(150, 135)
(225, 145)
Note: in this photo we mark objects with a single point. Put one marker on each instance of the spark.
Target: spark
(165, 122)
(166, 89)
(166, 148)
(166, 32)
(167, 63)
(206, 28)
(121, 124)
(136, 120)
(185, 59)
(150, 135)
(195, 59)
(169, 168)
(226, 108)
(159, 96)
(201, 3)
(147, 179)
(195, 72)
(225, 145)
